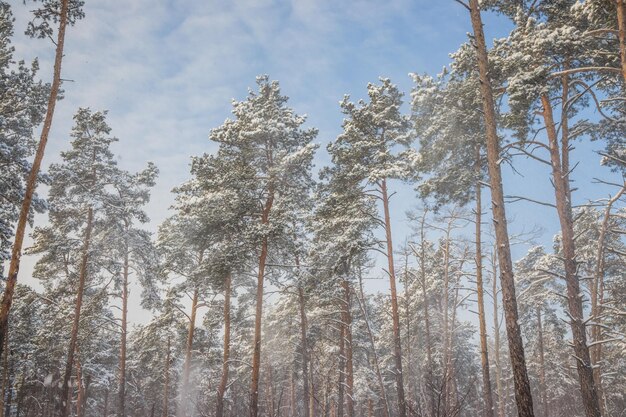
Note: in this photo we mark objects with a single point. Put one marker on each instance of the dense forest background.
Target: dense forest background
(452, 245)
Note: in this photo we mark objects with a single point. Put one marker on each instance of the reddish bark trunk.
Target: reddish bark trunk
(65, 390)
(484, 353)
(397, 342)
(523, 394)
(122, 376)
(224, 380)
(31, 182)
(256, 358)
(560, 179)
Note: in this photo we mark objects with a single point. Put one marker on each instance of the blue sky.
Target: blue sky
(167, 71)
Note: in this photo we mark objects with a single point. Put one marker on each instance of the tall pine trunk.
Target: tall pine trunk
(621, 30)
(65, 389)
(597, 297)
(496, 335)
(256, 357)
(560, 180)
(484, 353)
(122, 376)
(226, 357)
(347, 331)
(188, 350)
(523, 394)
(397, 342)
(31, 182)
(542, 365)
(379, 375)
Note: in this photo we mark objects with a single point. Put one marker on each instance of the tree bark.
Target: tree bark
(347, 331)
(379, 376)
(496, 336)
(560, 180)
(77, 310)
(342, 369)
(304, 346)
(31, 183)
(256, 358)
(188, 349)
(621, 30)
(5, 372)
(597, 296)
(484, 353)
(542, 365)
(225, 365)
(80, 412)
(397, 342)
(122, 376)
(523, 394)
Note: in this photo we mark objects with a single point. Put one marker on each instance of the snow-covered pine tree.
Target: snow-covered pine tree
(63, 12)
(265, 157)
(74, 244)
(516, 347)
(132, 249)
(367, 154)
(22, 106)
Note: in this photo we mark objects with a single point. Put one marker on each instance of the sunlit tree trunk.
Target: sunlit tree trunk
(496, 336)
(226, 352)
(122, 376)
(597, 296)
(621, 28)
(542, 365)
(347, 334)
(31, 182)
(397, 342)
(523, 394)
(379, 376)
(256, 358)
(560, 180)
(484, 353)
(82, 276)
(184, 394)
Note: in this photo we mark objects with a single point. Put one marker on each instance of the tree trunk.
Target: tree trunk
(31, 182)
(347, 331)
(188, 349)
(409, 357)
(542, 366)
(397, 342)
(342, 369)
(77, 309)
(446, 365)
(256, 358)
(122, 376)
(166, 384)
(225, 365)
(305, 352)
(560, 180)
(80, 412)
(379, 376)
(597, 296)
(621, 27)
(484, 353)
(523, 394)
(426, 308)
(496, 336)
(5, 372)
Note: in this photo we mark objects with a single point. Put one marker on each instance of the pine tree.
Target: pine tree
(52, 11)
(364, 154)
